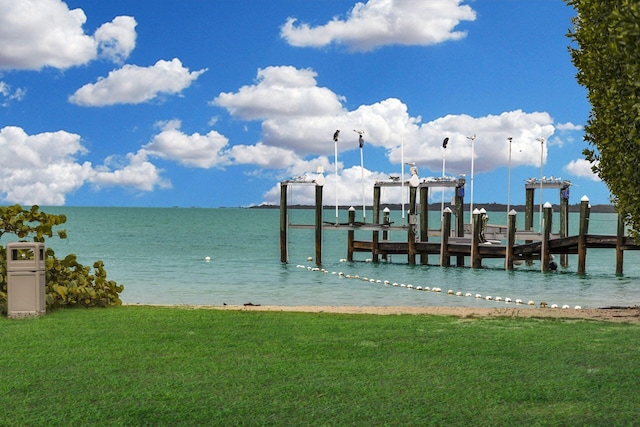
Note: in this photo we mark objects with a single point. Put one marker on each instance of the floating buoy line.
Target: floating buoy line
(438, 290)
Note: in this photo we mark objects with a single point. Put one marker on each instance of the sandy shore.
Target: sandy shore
(614, 314)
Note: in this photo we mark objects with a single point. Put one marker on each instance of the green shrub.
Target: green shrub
(69, 283)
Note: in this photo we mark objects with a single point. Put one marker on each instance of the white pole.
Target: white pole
(541, 158)
(402, 177)
(335, 140)
(473, 155)
(509, 180)
(361, 144)
(444, 161)
(364, 212)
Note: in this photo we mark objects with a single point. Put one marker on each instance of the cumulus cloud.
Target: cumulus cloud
(43, 168)
(195, 150)
(490, 147)
(564, 127)
(581, 169)
(291, 140)
(283, 91)
(384, 22)
(117, 39)
(136, 172)
(132, 84)
(45, 33)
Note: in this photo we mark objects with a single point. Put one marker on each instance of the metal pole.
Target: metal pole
(444, 161)
(402, 177)
(472, 138)
(509, 180)
(541, 159)
(335, 140)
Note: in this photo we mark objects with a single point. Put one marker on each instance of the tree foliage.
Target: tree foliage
(607, 56)
(69, 283)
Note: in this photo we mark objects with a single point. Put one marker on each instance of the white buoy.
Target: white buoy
(468, 294)
(498, 298)
(531, 303)
(518, 301)
(386, 282)
(478, 296)
(207, 258)
(426, 288)
(395, 283)
(565, 306)
(554, 305)
(309, 258)
(418, 288)
(410, 286)
(458, 294)
(450, 292)
(578, 307)
(507, 300)
(488, 298)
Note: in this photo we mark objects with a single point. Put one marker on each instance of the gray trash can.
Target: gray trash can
(26, 279)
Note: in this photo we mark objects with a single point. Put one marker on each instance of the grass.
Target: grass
(170, 366)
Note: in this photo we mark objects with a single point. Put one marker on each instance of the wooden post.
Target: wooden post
(459, 213)
(351, 234)
(424, 220)
(564, 220)
(544, 249)
(376, 221)
(511, 240)
(619, 244)
(283, 223)
(582, 234)
(319, 225)
(445, 230)
(528, 209)
(476, 261)
(411, 233)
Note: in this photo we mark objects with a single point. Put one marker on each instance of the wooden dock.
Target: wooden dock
(458, 241)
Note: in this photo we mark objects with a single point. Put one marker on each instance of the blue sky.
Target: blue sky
(213, 103)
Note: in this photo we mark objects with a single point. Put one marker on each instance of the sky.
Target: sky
(212, 103)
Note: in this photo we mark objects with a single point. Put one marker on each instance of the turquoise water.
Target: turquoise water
(159, 255)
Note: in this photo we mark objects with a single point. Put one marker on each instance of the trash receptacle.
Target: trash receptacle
(26, 279)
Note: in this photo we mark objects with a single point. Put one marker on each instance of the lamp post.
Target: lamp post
(541, 159)
(472, 138)
(361, 143)
(444, 161)
(335, 140)
(509, 179)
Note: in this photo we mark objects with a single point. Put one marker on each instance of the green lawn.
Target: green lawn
(140, 365)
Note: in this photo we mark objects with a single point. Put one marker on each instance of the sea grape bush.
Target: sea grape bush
(69, 283)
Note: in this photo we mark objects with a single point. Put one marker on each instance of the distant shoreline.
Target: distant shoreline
(489, 207)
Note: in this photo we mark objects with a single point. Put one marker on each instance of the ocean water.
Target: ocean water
(160, 256)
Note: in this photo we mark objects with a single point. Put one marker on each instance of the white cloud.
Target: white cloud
(564, 127)
(40, 169)
(387, 124)
(196, 150)
(132, 84)
(491, 146)
(43, 168)
(263, 155)
(117, 39)
(385, 22)
(7, 95)
(137, 172)
(283, 91)
(45, 33)
(581, 169)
